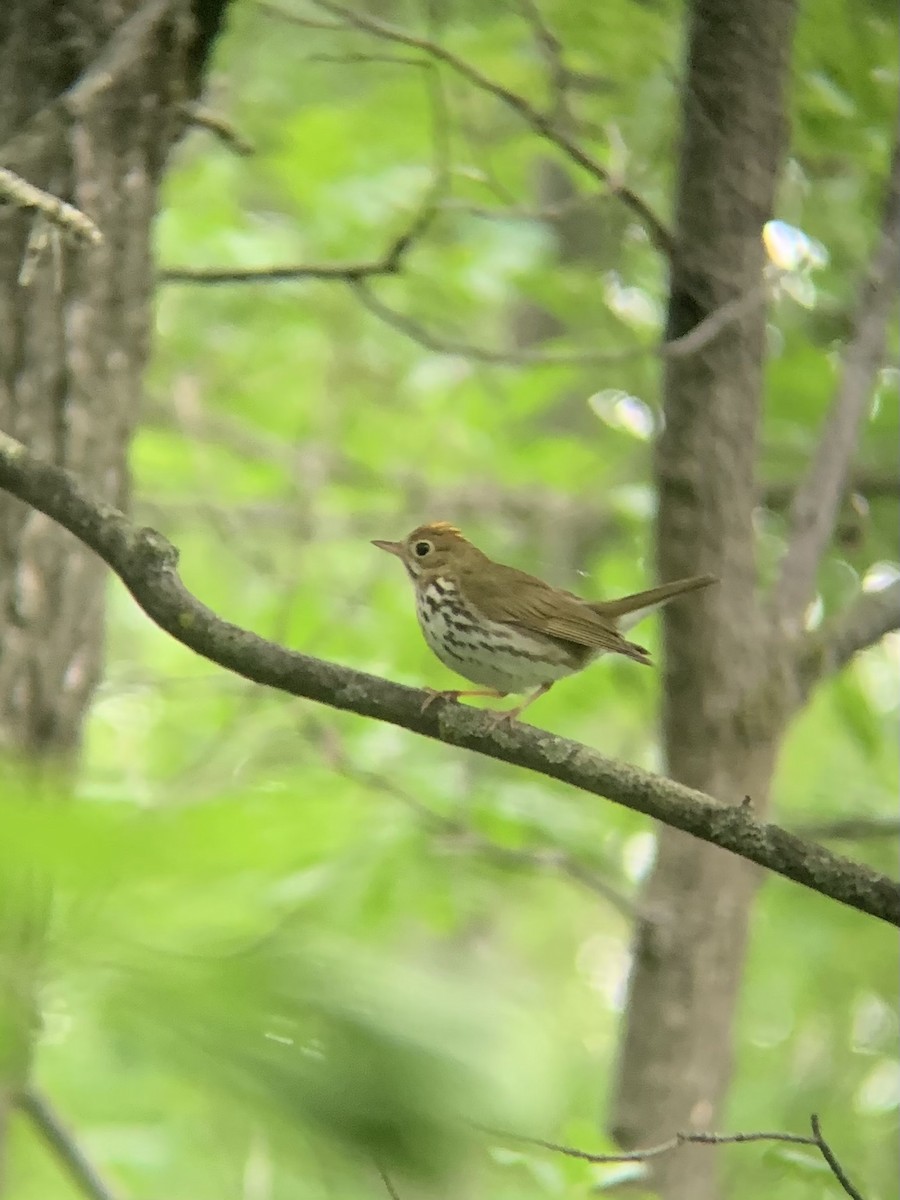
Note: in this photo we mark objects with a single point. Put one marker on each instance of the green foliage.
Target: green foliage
(287, 947)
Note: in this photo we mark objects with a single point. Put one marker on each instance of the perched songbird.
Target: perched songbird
(509, 631)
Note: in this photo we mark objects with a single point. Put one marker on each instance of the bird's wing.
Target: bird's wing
(519, 599)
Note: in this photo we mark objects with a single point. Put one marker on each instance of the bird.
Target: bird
(508, 631)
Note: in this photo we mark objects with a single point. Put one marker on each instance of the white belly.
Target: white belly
(490, 654)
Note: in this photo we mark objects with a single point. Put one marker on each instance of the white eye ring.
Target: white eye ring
(420, 549)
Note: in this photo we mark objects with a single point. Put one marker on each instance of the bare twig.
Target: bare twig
(388, 264)
(696, 1139)
(690, 343)
(146, 563)
(816, 503)
(388, 1182)
(831, 1158)
(512, 357)
(680, 1139)
(539, 122)
(219, 126)
(60, 1141)
(59, 212)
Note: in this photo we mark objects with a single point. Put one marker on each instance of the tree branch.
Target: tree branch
(59, 212)
(539, 122)
(815, 506)
(826, 651)
(146, 563)
(666, 1147)
(46, 1121)
(219, 126)
(515, 357)
(388, 264)
(831, 1158)
(697, 1139)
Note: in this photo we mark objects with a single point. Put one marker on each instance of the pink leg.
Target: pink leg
(455, 695)
(512, 714)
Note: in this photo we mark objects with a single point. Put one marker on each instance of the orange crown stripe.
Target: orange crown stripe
(443, 527)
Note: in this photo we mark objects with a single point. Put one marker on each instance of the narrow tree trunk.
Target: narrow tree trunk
(676, 1054)
(90, 99)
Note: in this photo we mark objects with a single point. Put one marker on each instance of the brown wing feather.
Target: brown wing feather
(516, 598)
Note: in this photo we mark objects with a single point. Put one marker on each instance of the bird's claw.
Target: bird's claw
(504, 716)
(436, 695)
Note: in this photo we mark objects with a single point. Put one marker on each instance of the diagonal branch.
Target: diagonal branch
(146, 563)
(70, 1155)
(816, 504)
(831, 1158)
(514, 356)
(538, 121)
(864, 623)
(59, 212)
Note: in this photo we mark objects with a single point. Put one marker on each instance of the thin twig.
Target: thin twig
(816, 504)
(831, 1158)
(387, 1181)
(219, 126)
(60, 1141)
(690, 343)
(484, 354)
(539, 122)
(666, 1147)
(389, 263)
(59, 212)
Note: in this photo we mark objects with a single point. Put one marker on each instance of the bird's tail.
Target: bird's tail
(627, 611)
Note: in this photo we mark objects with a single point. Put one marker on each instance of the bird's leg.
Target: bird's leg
(455, 695)
(512, 714)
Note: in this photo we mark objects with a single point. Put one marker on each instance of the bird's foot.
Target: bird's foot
(508, 715)
(454, 695)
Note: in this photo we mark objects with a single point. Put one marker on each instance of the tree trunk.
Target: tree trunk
(676, 1053)
(90, 100)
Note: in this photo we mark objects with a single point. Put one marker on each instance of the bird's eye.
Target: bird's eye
(420, 549)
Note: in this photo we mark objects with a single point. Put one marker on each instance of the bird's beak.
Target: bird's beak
(391, 547)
